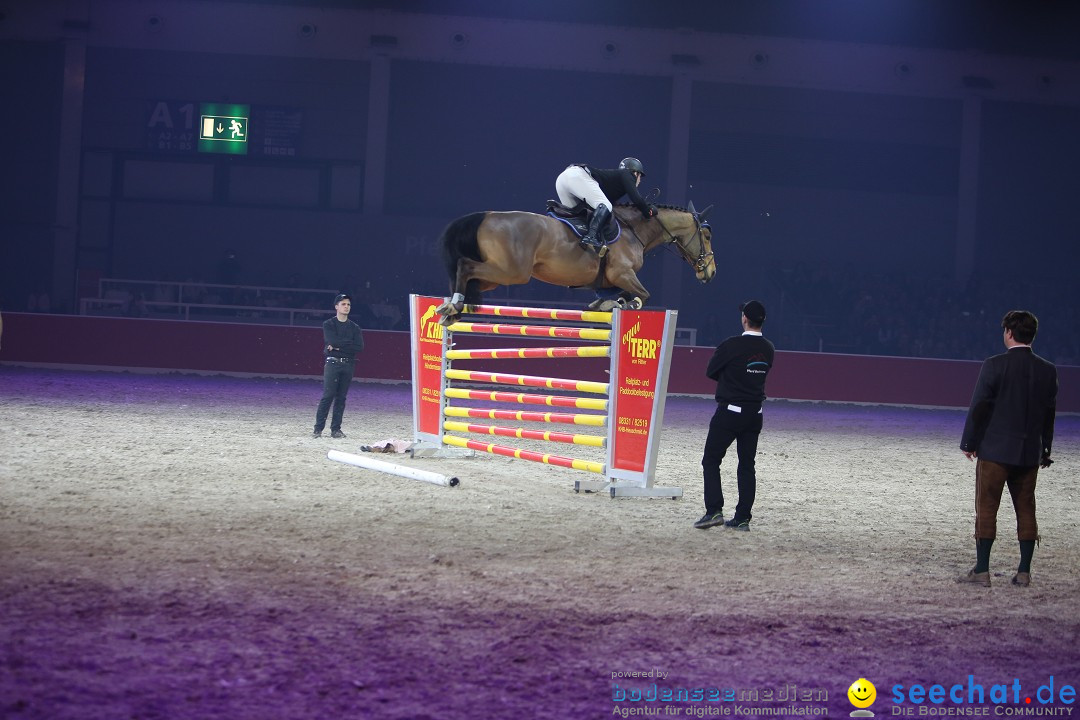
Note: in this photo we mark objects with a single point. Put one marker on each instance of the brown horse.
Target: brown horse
(487, 249)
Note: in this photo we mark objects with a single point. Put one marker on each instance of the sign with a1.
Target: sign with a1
(178, 126)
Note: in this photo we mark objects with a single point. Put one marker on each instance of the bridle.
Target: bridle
(700, 262)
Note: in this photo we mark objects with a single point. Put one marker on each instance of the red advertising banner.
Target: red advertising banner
(637, 371)
(427, 359)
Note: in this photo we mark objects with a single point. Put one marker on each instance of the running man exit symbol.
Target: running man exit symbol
(224, 128)
(228, 129)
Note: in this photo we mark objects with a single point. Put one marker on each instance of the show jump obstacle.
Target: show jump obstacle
(626, 412)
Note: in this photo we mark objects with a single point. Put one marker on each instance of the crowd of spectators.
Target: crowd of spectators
(847, 310)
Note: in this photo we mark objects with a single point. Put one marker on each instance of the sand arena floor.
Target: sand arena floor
(176, 546)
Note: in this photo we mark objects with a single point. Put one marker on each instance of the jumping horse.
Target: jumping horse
(484, 250)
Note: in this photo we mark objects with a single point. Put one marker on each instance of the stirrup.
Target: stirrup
(599, 247)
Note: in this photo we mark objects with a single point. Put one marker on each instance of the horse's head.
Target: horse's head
(688, 231)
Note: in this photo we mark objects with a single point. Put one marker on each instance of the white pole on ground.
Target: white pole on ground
(386, 467)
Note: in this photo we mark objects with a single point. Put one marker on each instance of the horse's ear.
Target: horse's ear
(703, 213)
(690, 207)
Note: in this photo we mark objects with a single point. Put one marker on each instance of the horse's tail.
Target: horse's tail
(458, 241)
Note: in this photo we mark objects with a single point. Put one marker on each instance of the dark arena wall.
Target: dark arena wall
(275, 350)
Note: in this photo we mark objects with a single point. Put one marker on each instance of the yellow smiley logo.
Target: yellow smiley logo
(862, 693)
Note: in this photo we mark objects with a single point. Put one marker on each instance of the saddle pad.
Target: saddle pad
(612, 231)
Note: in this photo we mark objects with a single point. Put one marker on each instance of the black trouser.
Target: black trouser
(726, 427)
(336, 379)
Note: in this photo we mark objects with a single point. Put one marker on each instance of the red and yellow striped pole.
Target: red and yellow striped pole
(539, 313)
(533, 330)
(526, 434)
(526, 416)
(528, 398)
(529, 381)
(572, 463)
(512, 353)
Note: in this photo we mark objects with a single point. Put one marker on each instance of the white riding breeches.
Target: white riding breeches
(575, 184)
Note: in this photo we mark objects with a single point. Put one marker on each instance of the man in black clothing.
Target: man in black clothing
(1010, 430)
(739, 366)
(342, 339)
(599, 189)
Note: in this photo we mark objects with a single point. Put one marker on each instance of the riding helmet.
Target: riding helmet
(633, 165)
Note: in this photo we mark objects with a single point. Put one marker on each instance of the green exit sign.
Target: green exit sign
(223, 128)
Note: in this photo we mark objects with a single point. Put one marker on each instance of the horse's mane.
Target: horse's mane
(661, 206)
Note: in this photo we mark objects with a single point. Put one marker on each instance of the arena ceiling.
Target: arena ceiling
(1028, 28)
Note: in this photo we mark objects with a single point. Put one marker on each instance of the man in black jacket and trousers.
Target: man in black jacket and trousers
(1009, 430)
(739, 366)
(342, 339)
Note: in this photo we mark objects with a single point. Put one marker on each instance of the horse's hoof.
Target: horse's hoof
(608, 305)
(448, 309)
(448, 320)
(635, 304)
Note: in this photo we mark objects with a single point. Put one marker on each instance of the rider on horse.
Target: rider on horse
(599, 189)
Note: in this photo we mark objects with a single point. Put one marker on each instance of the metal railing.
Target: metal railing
(228, 303)
(200, 311)
(194, 292)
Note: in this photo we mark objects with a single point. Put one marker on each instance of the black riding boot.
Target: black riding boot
(595, 237)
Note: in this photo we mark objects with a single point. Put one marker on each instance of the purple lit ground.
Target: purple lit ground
(177, 546)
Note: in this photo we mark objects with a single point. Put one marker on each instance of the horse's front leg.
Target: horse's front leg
(633, 292)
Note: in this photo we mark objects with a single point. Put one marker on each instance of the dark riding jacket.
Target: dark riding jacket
(616, 183)
(1011, 418)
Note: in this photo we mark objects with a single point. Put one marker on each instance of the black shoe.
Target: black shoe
(734, 524)
(707, 521)
(337, 435)
(317, 434)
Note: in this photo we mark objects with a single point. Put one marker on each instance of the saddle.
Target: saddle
(577, 219)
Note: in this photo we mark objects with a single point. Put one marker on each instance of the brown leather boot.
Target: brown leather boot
(975, 578)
